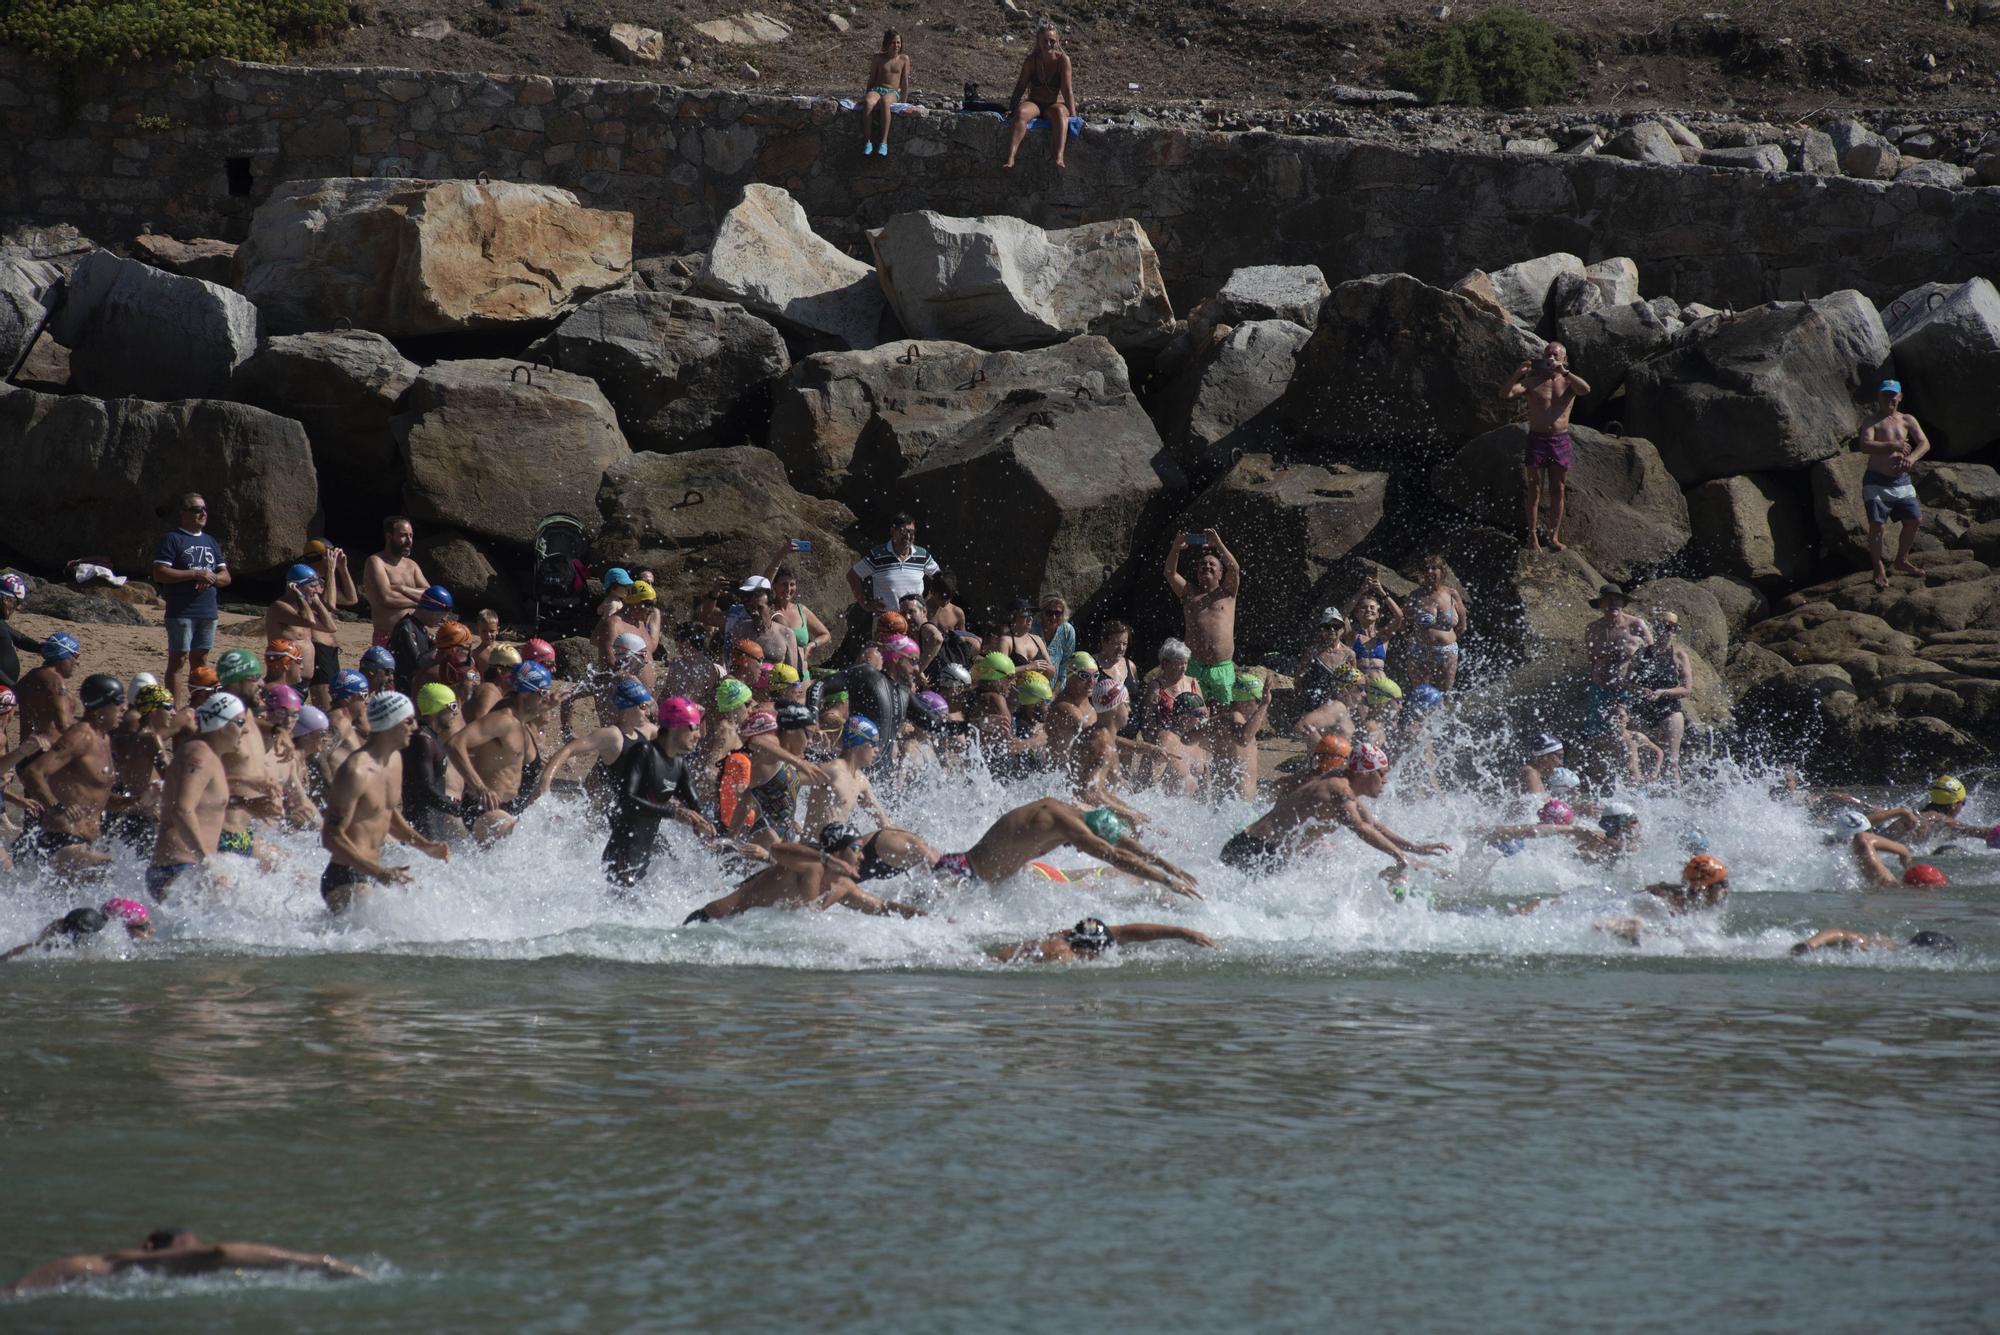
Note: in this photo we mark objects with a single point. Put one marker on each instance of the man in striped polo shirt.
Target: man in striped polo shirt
(893, 570)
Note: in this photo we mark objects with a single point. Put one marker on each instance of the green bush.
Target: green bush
(72, 34)
(1503, 58)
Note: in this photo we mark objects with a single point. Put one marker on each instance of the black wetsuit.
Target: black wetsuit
(647, 786)
(1247, 852)
(10, 658)
(425, 800)
(1656, 672)
(411, 643)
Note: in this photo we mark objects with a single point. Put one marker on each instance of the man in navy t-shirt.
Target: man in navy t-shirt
(189, 569)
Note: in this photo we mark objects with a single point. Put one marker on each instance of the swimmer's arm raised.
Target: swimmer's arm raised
(1133, 933)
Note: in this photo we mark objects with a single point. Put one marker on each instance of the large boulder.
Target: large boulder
(767, 259)
(1840, 519)
(1291, 292)
(683, 373)
(1222, 403)
(1289, 525)
(408, 257)
(1395, 359)
(1616, 280)
(700, 514)
(1946, 342)
(1648, 141)
(1523, 289)
(1773, 389)
(134, 331)
(24, 281)
(849, 424)
(1971, 489)
(343, 387)
(203, 257)
(1002, 282)
(1604, 344)
(1625, 515)
(1075, 486)
(88, 476)
(491, 446)
(1756, 527)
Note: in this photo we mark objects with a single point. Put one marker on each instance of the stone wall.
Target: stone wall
(193, 152)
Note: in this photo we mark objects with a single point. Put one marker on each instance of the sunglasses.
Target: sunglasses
(194, 509)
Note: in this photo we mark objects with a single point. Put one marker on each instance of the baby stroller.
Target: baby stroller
(561, 578)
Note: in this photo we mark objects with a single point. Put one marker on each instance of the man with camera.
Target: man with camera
(1551, 390)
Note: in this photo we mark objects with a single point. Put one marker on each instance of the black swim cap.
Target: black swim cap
(837, 836)
(101, 688)
(1090, 934)
(1937, 941)
(81, 922)
(793, 716)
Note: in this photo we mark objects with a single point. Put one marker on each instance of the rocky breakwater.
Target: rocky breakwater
(1033, 395)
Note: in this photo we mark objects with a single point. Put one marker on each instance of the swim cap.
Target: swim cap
(1381, 689)
(1937, 941)
(1246, 688)
(504, 655)
(1562, 780)
(1616, 816)
(616, 576)
(388, 709)
(60, 647)
(838, 836)
(642, 592)
(795, 717)
(731, 694)
(933, 702)
(1189, 704)
(532, 679)
(1992, 835)
(993, 667)
(1080, 662)
(760, 723)
(8, 702)
(1367, 758)
(859, 732)
(1545, 744)
(347, 683)
(283, 649)
(128, 911)
(453, 635)
(1033, 689)
(142, 679)
(1509, 847)
(1107, 695)
(1848, 823)
(218, 711)
(1426, 697)
(749, 649)
(1555, 811)
(1106, 824)
(784, 674)
(900, 646)
(312, 719)
(14, 586)
(540, 651)
(238, 665)
(958, 674)
(1696, 841)
(1703, 871)
(1946, 790)
(677, 711)
(1090, 934)
(151, 699)
(629, 693)
(202, 678)
(628, 645)
(437, 598)
(280, 696)
(434, 698)
(302, 574)
(1346, 677)
(378, 659)
(100, 689)
(316, 547)
(891, 624)
(1331, 751)
(1925, 875)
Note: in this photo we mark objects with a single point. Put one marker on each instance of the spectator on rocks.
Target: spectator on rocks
(337, 579)
(941, 602)
(1059, 632)
(1438, 616)
(391, 578)
(879, 580)
(1208, 604)
(189, 567)
(1661, 681)
(888, 84)
(13, 592)
(1114, 655)
(1046, 88)
(1372, 634)
(1020, 642)
(1893, 443)
(795, 616)
(1165, 684)
(1551, 390)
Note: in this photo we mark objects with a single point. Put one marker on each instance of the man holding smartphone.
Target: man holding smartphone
(1209, 604)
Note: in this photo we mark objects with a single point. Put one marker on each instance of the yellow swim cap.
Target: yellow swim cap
(784, 675)
(1033, 688)
(1946, 790)
(435, 698)
(1381, 688)
(642, 592)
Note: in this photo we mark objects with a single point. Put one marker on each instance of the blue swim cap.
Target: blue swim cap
(531, 679)
(302, 574)
(437, 598)
(630, 693)
(60, 647)
(615, 576)
(1426, 697)
(1509, 847)
(859, 732)
(347, 683)
(378, 659)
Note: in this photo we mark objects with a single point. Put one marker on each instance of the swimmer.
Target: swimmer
(410, 639)
(377, 667)
(310, 737)
(1939, 816)
(303, 616)
(1033, 831)
(496, 675)
(1545, 756)
(365, 808)
(1553, 815)
(801, 877)
(1704, 885)
(172, 1251)
(1332, 799)
(254, 789)
(1832, 938)
(73, 784)
(347, 719)
(1232, 740)
(1851, 827)
(450, 663)
(282, 707)
(196, 798)
(1096, 759)
(652, 781)
(429, 803)
(47, 708)
(889, 851)
(1089, 939)
(634, 720)
(139, 751)
(499, 757)
(65, 932)
(1617, 834)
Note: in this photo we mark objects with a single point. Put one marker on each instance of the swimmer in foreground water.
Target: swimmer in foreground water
(800, 877)
(365, 807)
(1832, 938)
(1704, 884)
(1039, 828)
(177, 1252)
(1090, 938)
(1329, 801)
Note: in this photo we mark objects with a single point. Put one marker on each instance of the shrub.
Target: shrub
(72, 34)
(1504, 57)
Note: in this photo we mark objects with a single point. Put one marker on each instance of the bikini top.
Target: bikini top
(1445, 618)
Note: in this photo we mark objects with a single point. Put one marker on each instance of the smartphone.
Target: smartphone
(1194, 539)
(799, 545)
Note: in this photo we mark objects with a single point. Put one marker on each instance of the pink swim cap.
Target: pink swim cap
(1555, 811)
(539, 651)
(8, 704)
(281, 696)
(127, 910)
(900, 646)
(677, 711)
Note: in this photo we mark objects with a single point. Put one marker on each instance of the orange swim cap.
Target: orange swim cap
(1925, 875)
(1703, 871)
(1331, 752)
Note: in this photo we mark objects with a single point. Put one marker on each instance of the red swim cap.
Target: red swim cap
(1924, 874)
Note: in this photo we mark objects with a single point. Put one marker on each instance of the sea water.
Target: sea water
(526, 1105)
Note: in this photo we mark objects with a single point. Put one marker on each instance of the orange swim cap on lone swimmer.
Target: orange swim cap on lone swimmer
(1331, 752)
(1925, 875)
(1703, 871)
(453, 634)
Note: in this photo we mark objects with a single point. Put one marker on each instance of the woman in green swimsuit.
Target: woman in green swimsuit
(787, 610)
(888, 84)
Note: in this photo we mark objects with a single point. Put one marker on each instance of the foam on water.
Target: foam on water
(540, 894)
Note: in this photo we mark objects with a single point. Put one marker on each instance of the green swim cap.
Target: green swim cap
(1034, 689)
(836, 697)
(1106, 824)
(1247, 688)
(1381, 688)
(993, 667)
(239, 665)
(435, 698)
(731, 694)
(1081, 662)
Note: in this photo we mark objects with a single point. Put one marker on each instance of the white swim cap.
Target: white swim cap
(218, 711)
(387, 709)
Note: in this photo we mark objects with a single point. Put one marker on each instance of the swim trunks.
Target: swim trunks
(872, 867)
(326, 663)
(1217, 681)
(160, 879)
(243, 843)
(1549, 449)
(336, 885)
(954, 864)
(36, 842)
(883, 90)
(1246, 852)
(1887, 498)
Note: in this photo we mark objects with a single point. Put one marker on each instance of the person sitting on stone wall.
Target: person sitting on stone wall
(1046, 87)
(888, 84)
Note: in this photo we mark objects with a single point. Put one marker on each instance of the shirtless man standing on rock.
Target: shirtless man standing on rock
(391, 579)
(1209, 605)
(800, 877)
(73, 783)
(197, 794)
(1893, 443)
(1551, 390)
(365, 808)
